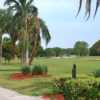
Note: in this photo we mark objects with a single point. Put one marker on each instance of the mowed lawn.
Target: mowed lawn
(57, 67)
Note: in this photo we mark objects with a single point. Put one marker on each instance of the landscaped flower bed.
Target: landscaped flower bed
(21, 76)
(53, 97)
(27, 72)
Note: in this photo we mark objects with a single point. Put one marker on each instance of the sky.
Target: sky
(65, 28)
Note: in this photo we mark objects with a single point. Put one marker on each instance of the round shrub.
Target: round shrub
(45, 69)
(25, 70)
(96, 73)
(39, 70)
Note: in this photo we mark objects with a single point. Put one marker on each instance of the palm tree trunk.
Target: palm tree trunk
(27, 56)
(32, 55)
(25, 49)
(37, 31)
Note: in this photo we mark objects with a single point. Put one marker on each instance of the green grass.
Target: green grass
(57, 68)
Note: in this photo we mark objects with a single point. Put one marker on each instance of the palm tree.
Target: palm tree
(37, 38)
(28, 24)
(88, 7)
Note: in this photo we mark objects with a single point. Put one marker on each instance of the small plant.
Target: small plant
(96, 73)
(45, 69)
(39, 70)
(25, 70)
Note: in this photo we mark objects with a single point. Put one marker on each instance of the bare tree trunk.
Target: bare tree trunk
(0, 48)
(27, 56)
(0, 53)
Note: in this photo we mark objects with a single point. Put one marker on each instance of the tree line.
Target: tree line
(81, 48)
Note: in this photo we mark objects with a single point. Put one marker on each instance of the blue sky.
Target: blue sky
(64, 27)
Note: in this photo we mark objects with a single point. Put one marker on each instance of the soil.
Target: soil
(21, 76)
(53, 97)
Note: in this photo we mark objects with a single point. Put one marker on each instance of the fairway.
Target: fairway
(57, 67)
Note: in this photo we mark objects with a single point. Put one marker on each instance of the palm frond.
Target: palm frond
(45, 32)
(33, 9)
(30, 2)
(97, 6)
(80, 5)
(88, 7)
(9, 2)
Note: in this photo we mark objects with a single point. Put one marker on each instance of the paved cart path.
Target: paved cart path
(6, 94)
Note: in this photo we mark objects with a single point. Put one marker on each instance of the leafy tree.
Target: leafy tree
(81, 48)
(95, 49)
(5, 17)
(69, 51)
(41, 52)
(49, 52)
(7, 49)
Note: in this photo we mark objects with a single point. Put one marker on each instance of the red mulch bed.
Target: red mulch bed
(20, 76)
(54, 97)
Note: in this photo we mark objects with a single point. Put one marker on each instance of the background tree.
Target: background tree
(5, 17)
(8, 53)
(81, 48)
(95, 49)
(41, 52)
(69, 51)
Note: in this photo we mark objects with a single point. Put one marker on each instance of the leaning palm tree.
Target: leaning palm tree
(88, 7)
(36, 38)
(25, 14)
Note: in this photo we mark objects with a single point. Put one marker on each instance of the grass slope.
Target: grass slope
(58, 67)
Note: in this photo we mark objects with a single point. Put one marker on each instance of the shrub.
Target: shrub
(38, 70)
(96, 73)
(25, 70)
(77, 89)
(45, 69)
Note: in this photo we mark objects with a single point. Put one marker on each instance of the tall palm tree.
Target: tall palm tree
(88, 7)
(25, 14)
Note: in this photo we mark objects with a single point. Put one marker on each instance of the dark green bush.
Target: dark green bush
(25, 70)
(38, 70)
(77, 89)
(96, 73)
(45, 69)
